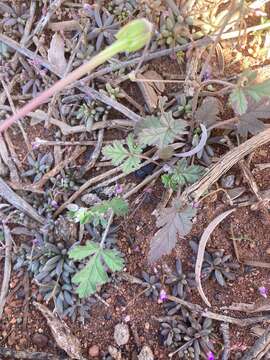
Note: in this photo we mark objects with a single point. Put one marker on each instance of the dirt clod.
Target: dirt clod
(40, 340)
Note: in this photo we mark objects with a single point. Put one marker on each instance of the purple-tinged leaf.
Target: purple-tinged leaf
(173, 221)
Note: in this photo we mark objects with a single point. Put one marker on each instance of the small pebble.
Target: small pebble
(147, 326)
(40, 340)
(121, 334)
(93, 351)
(227, 182)
(146, 354)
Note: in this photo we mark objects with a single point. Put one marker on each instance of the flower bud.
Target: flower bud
(135, 35)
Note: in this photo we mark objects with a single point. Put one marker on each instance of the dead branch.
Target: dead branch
(226, 163)
(260, 348)
(13, 354)
(9, 195)
(225, 330)
(7, 269)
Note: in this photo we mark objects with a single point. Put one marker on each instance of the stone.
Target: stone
(93, 351)
(121, 334)
(227, 181)
(40, 340)
(146, 353)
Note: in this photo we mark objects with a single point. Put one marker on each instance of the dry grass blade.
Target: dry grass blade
(61, 333)
(7, 269)
(202, 244)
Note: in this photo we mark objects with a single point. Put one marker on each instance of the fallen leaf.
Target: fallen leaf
(56, 53)
(61, 333)
(172, 221)
(207, 113)
(200, 256)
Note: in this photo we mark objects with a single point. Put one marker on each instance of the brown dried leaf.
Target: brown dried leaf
(61, 333)
(207, 113)
(200, 256)
(249, 122)
(172, 221)
(56, 53)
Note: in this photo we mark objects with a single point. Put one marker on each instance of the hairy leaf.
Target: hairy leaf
(94, 274)
(173, 221)
(182, 174)
(207, 113)
(128, 158)
(160, 130)
(238, 101)
(249, 122)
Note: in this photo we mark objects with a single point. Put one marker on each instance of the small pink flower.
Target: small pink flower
(210, 356)
(162, 296)
(263, 291)
(118, 189)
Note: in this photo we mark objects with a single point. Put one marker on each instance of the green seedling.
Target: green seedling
(132, 37)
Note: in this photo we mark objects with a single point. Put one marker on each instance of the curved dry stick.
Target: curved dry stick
(198, 147)
(226, 163)
(202, 244)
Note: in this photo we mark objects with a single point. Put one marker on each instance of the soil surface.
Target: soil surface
(120, 301)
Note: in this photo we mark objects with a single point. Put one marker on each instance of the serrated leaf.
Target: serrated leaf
(118, 154)
(207, 113)
(238, 101)
(259, 90)
(113, 260)
(249, 122)
(119, 206)
(160, 130)
(96, 214)
(173, 221)
(81, 252)
(182, 174)
(92, 275)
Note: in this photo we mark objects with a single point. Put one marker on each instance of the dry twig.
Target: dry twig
(7, 268)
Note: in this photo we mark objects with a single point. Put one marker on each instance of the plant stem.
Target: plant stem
(104, 236)
(63, 83)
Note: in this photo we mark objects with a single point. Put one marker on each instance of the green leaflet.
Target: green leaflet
(128, 158)
(239, 98)
(160, 130)
(182, 174)
(94, 273)
(238, 101)
(96, 214)
(81, 252)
